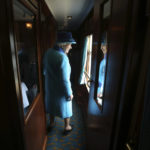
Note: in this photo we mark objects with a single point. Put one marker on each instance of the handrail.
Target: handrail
(89, 79)
(87, 75)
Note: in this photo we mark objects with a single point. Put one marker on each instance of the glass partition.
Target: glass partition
(102, 53)
(26, 51)
(102, 69)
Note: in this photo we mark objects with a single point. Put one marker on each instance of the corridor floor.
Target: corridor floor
(74, 140)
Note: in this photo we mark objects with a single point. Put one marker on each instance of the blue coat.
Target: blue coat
(102, 68)
(57, 72)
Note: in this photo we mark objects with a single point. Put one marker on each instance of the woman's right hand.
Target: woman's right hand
(71, 97)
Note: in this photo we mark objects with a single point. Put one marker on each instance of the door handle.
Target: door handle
(90, 81)
(128, 146)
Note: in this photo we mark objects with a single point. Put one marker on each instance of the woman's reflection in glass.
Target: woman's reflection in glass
(102, 68)
(28, 74)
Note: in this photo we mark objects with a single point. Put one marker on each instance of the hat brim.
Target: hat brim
(66, 42)
(71, 41)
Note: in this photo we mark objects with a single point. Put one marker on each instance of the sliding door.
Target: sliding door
(27, 57)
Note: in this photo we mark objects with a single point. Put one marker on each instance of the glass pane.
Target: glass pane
(102, 70)
(87, 70)
(107, 9)
(85, 76)
(25, 41)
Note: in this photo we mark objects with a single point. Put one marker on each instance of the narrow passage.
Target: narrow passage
(74, 140)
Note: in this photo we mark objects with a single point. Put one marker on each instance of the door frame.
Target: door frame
(31, 129)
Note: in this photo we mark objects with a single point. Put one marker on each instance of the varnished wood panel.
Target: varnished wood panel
(11, 126)
(35, 126)
(104, 123)
(134, 91)
(35, 120)
(18, 134)
(45, 143)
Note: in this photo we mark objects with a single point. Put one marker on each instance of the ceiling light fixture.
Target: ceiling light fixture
(29, 25)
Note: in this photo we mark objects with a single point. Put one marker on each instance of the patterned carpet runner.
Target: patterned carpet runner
(74, 140)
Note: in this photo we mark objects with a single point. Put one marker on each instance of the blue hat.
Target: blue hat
(65, 37)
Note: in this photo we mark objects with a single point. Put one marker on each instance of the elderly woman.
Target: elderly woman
(57, 70)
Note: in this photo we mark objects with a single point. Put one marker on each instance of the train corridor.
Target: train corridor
(110, 66)
(76, 140)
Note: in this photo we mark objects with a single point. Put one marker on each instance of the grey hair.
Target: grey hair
(61, 44)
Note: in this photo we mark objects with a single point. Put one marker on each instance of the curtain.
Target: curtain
(83, 60)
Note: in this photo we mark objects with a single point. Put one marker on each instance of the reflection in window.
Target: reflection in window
(86, 76)
(25, 41)
(102, 70)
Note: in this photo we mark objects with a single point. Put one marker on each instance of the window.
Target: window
(102, 54)
(86, 77)
(26, 51)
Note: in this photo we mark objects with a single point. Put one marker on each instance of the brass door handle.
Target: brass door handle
(90, 81)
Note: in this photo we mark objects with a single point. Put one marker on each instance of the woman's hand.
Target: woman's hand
(70, 98)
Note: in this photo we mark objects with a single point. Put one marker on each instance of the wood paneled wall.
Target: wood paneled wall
(132, 98)
(48, 27)
(11, 126)
(17, 133)
(125, 51)
(35, 133)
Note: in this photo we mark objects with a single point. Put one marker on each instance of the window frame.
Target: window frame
(35, 11)
(104, 27)
(86, 78)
